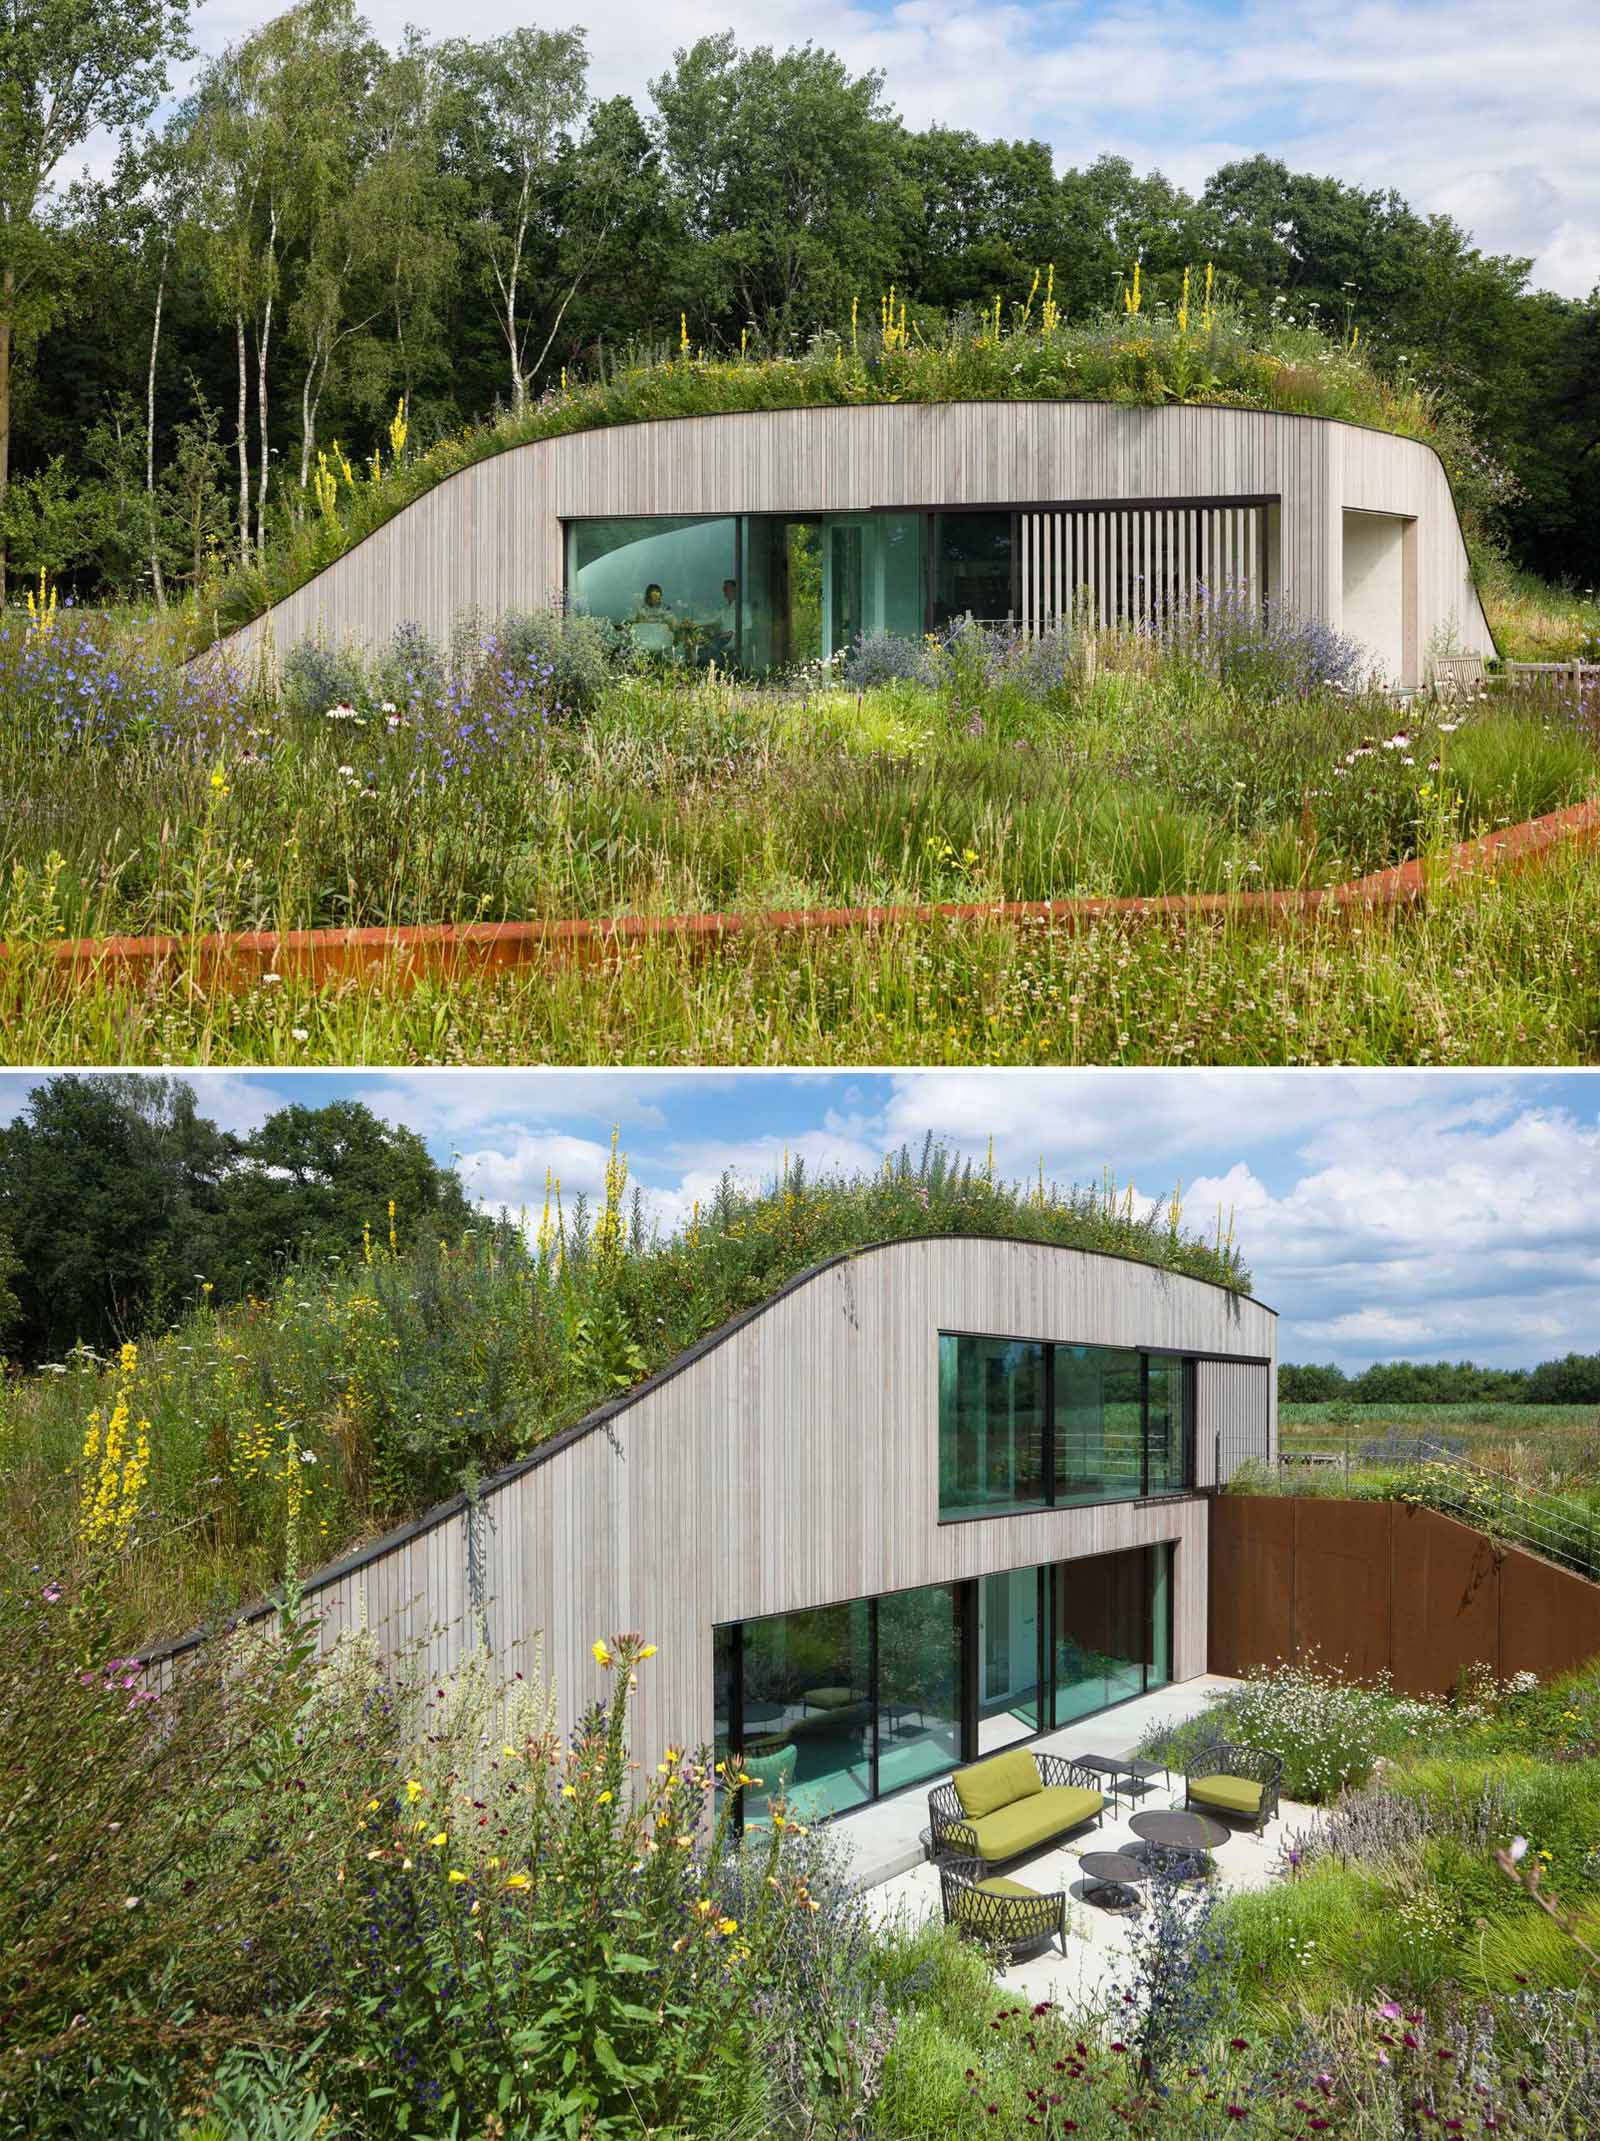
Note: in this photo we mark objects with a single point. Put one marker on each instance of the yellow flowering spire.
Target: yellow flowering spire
(608, 1229)
(113, 1473)
(399, 426)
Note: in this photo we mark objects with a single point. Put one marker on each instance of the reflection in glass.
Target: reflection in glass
(807, 1709)
(1159, 1672)
(1099, 1424)
(919, 1685)
(991, 1425)
(1008, 1658)
(1165, 1428)
(672, 581)
(971, 567)
(1104, 1622)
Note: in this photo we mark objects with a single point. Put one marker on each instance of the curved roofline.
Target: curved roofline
(806, 408)
(592, 1422)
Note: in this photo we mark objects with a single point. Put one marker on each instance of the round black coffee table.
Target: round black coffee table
(1110, 1877)
(1178, 1837)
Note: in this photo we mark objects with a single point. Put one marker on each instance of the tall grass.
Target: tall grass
(145, 799)
(1494, 970)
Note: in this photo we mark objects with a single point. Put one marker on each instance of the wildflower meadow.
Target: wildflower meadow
(543, 769)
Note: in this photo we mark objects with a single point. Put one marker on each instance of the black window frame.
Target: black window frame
(1189, 1370)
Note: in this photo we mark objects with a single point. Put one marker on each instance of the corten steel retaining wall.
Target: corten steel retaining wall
(1386, 1586)
(449, 950)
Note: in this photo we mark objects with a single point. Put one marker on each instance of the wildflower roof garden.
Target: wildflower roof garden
(1207, 355)
(287, 1428)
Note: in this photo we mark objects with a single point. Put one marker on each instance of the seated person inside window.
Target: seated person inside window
(653, 622)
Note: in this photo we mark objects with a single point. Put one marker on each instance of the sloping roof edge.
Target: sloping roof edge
(592, 1422)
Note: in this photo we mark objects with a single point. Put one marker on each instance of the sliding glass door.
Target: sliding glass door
(841, 1704)
(919, 1685)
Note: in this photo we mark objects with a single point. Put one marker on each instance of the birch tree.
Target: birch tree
(511, 102)
(68, 69)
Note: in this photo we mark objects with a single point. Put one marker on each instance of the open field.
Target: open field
(1473, 1429)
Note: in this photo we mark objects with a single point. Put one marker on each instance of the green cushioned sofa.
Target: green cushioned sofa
(1012, 1803)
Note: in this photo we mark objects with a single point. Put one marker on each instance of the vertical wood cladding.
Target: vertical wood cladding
(489, 538)
(794, 1463)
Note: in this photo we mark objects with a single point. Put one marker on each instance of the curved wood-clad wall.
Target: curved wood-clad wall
(490, 538)
(794, 1462)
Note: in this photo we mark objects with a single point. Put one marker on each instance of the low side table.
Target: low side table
(1107, 1766)
(1141, 1775)
(1180, 1836)
(1112, 1875)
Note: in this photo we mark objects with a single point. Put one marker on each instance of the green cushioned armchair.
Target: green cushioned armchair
(1225, 1778)
(1012, 1803)
(988, 1907)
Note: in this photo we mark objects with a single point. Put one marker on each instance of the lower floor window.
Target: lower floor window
(838, 1705)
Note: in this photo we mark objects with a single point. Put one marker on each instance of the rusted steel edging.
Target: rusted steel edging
(407, 954)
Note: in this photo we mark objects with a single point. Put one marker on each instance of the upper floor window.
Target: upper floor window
(1028, 1425)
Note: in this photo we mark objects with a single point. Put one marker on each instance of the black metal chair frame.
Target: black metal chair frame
(1226, 1758)
(1015, 1922)
(953, 1832)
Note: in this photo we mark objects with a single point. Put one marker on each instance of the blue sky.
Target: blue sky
(1471, 108)
(1421, 1214)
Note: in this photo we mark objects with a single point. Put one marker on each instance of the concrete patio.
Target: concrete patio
(887, 1853)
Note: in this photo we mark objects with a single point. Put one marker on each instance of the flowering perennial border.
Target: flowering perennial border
(243, 959)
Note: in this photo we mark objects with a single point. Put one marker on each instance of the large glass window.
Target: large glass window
(673, 582)
(840, 1704)
(1166, 1425)
(808, 1709)
(1099, 1424)
(1024, 1425)
(1159, 1672)
(757, 592)
(919, 1685)
(991, 1425)
(1109, 1627)
(971, 567)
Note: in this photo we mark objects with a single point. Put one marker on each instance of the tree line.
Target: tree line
(331, 247)
(121, 1204)
(1572, 1380)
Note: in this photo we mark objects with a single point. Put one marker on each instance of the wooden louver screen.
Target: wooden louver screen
(1137, 565)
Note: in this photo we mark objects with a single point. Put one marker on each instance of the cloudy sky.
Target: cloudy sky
(1388, 1214)
(1485, 112)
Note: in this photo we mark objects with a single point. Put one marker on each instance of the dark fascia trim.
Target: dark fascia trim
(801, 408)
(1200, 502)
(592, 1423)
